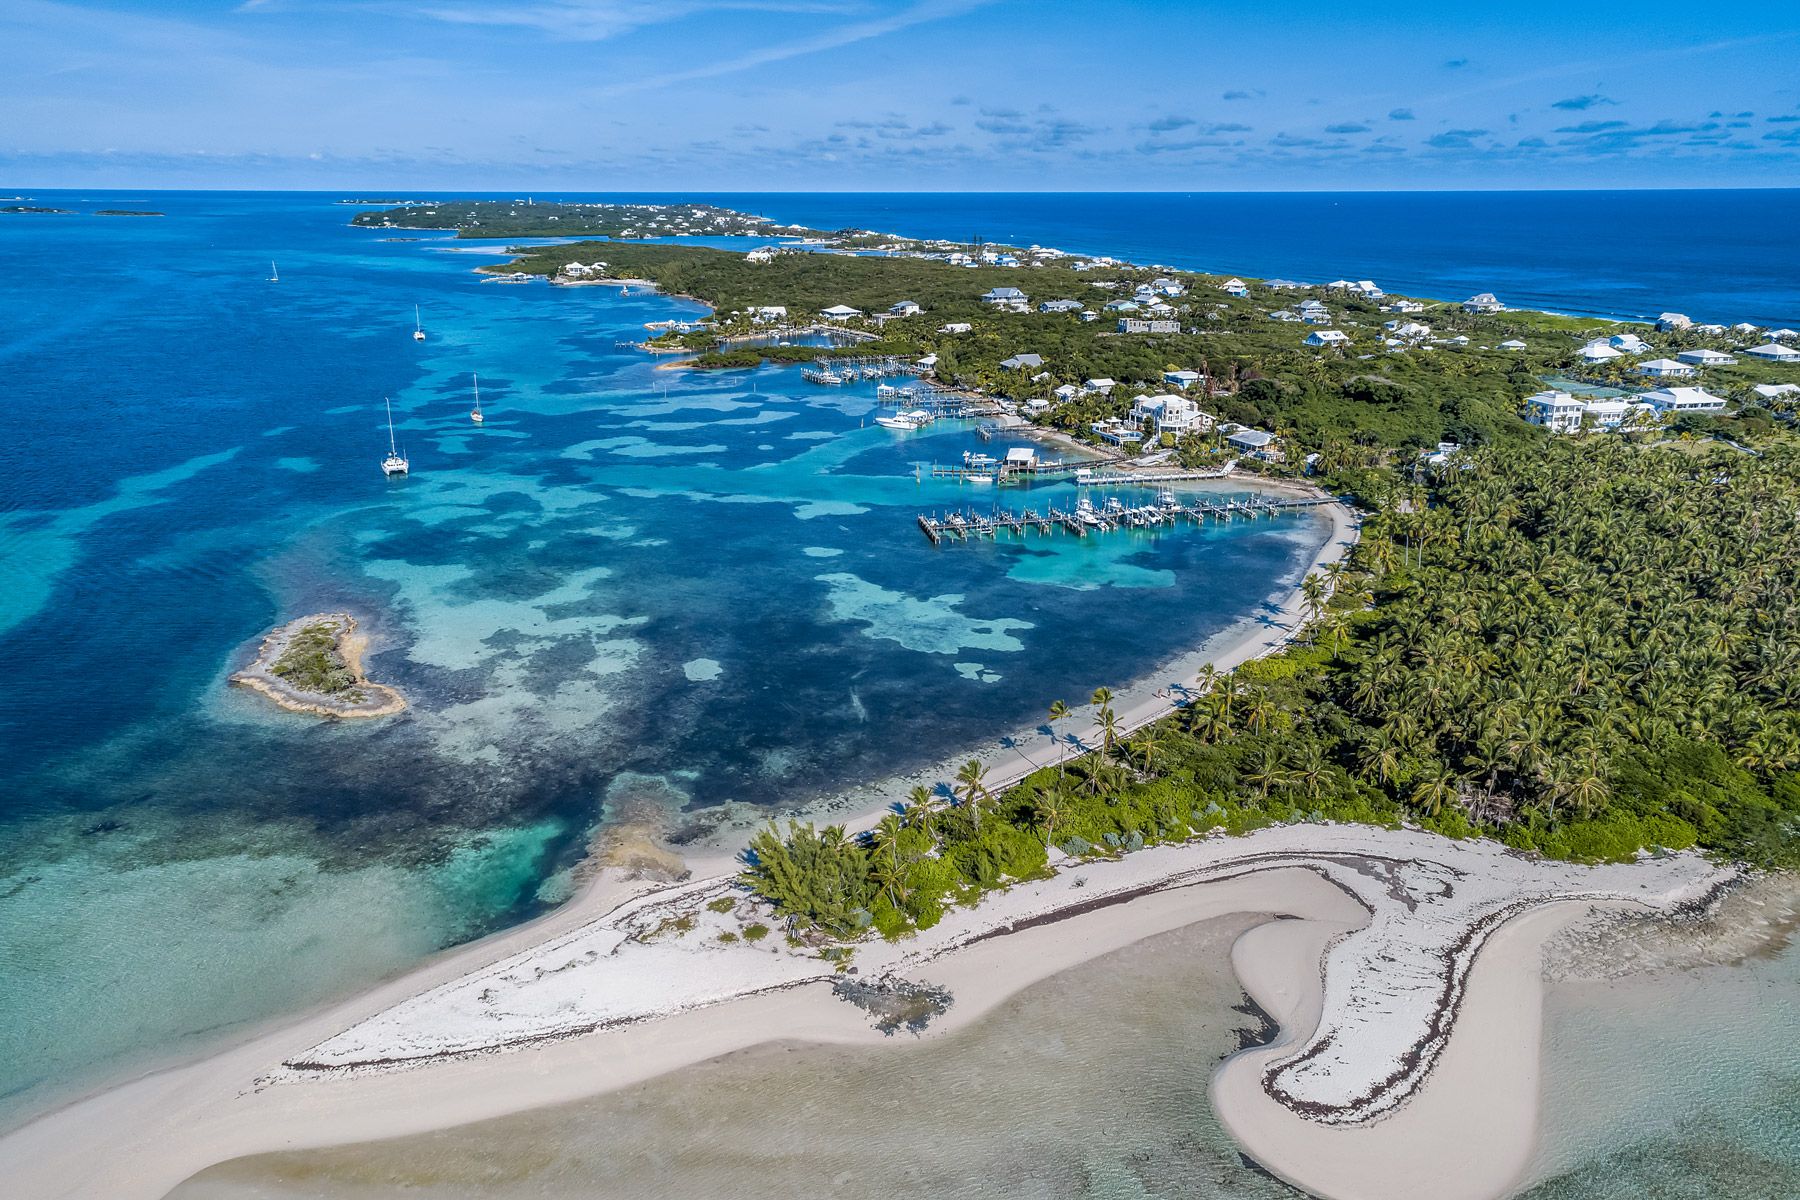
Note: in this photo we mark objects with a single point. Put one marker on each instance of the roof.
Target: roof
(1672, 397)
(1023, 360)
(1006, 293)
(1253, 438)
(1773, 350)
(842, 310)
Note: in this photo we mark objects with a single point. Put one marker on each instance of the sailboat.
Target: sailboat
(475, 414)
(418, 327)
(274, 275)
(393, 464)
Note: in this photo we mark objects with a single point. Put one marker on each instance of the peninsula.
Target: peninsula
(314, 665)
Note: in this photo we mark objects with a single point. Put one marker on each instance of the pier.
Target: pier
(1086, 518)
(1013, 471)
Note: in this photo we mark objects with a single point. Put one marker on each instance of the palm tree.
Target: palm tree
(1058, 710)
(1434, 790)
(921, 809)
(1049, 806)
(1270, 774)
(971, 779)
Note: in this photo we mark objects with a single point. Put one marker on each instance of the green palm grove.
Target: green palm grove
(1586, 649)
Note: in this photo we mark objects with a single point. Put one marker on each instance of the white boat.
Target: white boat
(475, 413)
(274, 275)
(1086, 513)
(418, 326)
(394, 463)
(905, 422)
(980, 477)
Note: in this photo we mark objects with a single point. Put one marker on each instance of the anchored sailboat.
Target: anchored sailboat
(475, 414)
(394, 463)
(418, 326)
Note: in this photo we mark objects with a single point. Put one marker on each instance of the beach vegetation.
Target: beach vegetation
(756, 931)
(723, 904)
(312, 663)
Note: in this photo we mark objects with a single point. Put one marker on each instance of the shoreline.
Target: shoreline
(380, 700)
(1382, 912)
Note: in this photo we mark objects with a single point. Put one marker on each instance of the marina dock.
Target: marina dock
(1086, 518)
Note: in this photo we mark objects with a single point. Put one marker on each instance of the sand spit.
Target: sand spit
(365, 700)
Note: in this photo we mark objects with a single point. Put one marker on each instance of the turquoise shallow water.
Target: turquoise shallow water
(631, 588)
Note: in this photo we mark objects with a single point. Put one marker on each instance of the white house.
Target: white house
(1327, 337)
(1234, 287)
(1021, 458)
(1774, 352)
(1060, 306)
(1141, 325)
(1600, 351)
(1067, 391)
(1483, 302)
(1670, 322)
(1167, 287)
(1512, 344)
(1037, 405)
(1629, 343)
(1116, 432)
(1664, 368)
(1682, 400)
(1019, 362)
(1746, 329)
(1405, 306)
(1706, 358)
(1256, 443)
(1783, 335)
(1171, 414)
(906, 308)
(1408, 330)
(1101, 385)
(955, 327)
(762, 254)
(840, 312)
(1182, 379)
(1559, 412)
(1292, 318)
(1775, 391)
(768, 314)
(1121, 306)
(1008, 298)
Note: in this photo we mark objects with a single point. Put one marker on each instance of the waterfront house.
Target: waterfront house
(840, 312)
(1671, 322)
(762, 254)
(1021, 458)
(769, 314)
(1234, 287)
(1182, 379)
(1746, 329)
(1483, 302)
(1706, 358)
(1099, 386)
(906, 308)
(1664, 368)
(1067, 391)
(1256, 443)
(955, 327)
(1171, 414)
(1774, 352)
(1115, 432)
(1327, 337)
(1408, 330)
(1147, 325)
(1037, 406)
(1019, 362)
(1683, 400)
(1512, 344)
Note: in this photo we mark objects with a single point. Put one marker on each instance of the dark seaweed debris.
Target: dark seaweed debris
(895, 1003)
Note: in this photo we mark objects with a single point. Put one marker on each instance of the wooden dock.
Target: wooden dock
(1085, 518)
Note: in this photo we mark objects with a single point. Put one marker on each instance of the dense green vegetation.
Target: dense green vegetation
(529, 218)
(311, 662)
(1586, 649)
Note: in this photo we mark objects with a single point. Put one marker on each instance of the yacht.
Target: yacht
(980, 477)
(418, 326)
(475, 413)
(905, 422)
(394, 463)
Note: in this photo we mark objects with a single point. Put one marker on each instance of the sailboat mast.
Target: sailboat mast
(476, 376)
(392, 451)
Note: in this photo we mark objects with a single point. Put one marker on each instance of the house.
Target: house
(1512, 344)
(1234, 287)
(1121, 306)
(1706, 358)
(1483, 302)
(1101, 386)
(1281, 285)
(1559, 412)
(762, 254)
(1037, 405)
(1598, 351)
(576, 270)
(1774, 352)
(1408, 330)
(1060, 306)
(1142, 325)
(1369, 291)
(1171, 414)
(1664, 368)
(955, 327)
(1783, 335)
(768, 314)
(1167, 287)
(1405, 306)
(1019, 362)
(1116, 432)
(840, 312)
(1671, 322)
(1182, 379)
(1256, 444)
(1683, 400)
(1327, 337)
(1628, 343)
(1775, 391)
(906, 308)
(1292, 318)
(1442, 455)
(1021, 458)
(1067, 391)
(1008, 298)
(929, 362)
(1746, 329)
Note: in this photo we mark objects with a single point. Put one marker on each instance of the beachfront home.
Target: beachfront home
(1146, 325)
(1115, 432)
(1746, 329)
(1171, 414)
(906, 308)
(840, 312)
(1009, 298)
(955, 327)
(1683, 400)
(1327, 337)
(1706, 358)
(1671, 322)
(769, 314)
(1019, 362)
(1182, 379)
(1234, 287)
(1483, 302)
(1664, 368)
(1037, 406)
(1512, 344)
(1067, 391)
(1774, 352)
(1256, 444)
(1060, 306)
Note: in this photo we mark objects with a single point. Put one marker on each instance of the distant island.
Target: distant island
(313, 664)
(525, 218)
(127, 212)
(31, 208)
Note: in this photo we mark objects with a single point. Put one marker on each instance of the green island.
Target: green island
(31, 208)
(126, 212)
(314, 665)
(526, 218)
(1584, 649)
(1580, 642)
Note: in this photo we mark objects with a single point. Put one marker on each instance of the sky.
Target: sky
(902, 95)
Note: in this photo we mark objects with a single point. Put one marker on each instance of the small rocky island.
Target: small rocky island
(314, 665)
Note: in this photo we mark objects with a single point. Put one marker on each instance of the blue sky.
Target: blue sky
(821, 95)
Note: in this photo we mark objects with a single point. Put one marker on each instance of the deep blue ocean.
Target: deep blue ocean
(631, 591)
